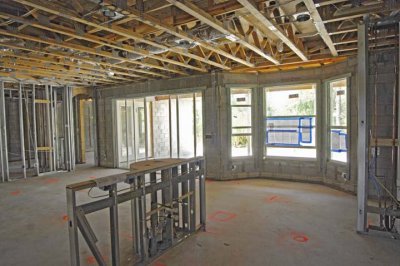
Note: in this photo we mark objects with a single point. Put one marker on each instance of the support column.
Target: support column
(398, 123)
(362, 145)
(114, 226)
(72, 228)
(3, 134)
(34, 130)
(21, 129)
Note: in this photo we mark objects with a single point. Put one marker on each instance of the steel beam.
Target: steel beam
(362, 125)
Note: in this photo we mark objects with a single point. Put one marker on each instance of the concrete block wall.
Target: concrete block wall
(106, 125)
(161, 129)
(382, 79)
(215, 87)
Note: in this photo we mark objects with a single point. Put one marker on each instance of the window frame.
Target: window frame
(251, 105)
(264, 87)
(327, 83)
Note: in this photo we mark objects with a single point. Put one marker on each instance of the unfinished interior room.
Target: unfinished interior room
(189, 132)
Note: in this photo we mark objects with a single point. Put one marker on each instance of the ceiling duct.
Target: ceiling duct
(186, 44)
(207, 33)
(11, 40)
(174, 41)
(152, 49)
(131, 56)
(302, 13)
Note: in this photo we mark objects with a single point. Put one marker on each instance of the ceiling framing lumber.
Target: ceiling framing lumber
(157, 23)
(62, 12)
(83, 49)
(204, 17)
(319, 24)
(101, 43)
(92, 38)
(67, 57)
(275, 29)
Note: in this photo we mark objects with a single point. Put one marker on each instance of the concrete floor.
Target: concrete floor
(250, 222)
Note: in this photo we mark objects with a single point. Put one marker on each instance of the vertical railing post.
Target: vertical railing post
(202, 188)
(192, 201)
(142, 218)
(114, 226)
(135, 218)
(185, 207)
(167, 202)
(175, 196)
(154, 216)
(72, 227)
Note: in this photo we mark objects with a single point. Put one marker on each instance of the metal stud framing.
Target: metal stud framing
(161, 222)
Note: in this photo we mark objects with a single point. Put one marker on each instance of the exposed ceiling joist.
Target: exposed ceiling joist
(201, 15)
(275, 29)
(158, 24)
(319, 24)
(78, 48)
(62, 12)
(91, 38)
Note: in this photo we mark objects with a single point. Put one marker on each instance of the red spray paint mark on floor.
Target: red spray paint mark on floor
(52, 180)
(65, 218)
(91, 260)
(221, 216)
(159, 263)
(92, 177)
(299, 237)
(15, 193)
(276, 198)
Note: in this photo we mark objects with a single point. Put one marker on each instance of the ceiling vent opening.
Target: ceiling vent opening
(302, 14)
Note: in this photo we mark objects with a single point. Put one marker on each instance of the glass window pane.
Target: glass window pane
(149, 124)
(140, 129)
(292, 100)
(129, 126)
(338, 102)
(186, 126)
(199, 124)
(339, 144)
(290, 120)
(241, 122)
(241, 146)
(241, 116)
(241, 96)
(122, 140)
(174, 127)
